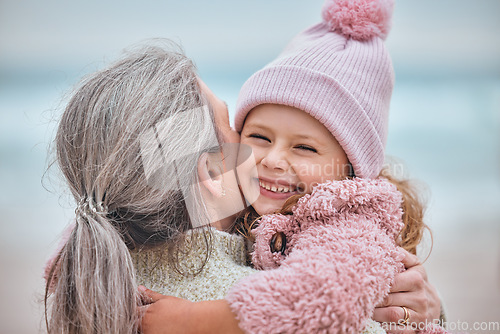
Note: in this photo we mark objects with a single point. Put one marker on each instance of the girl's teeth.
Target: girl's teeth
(274, 188)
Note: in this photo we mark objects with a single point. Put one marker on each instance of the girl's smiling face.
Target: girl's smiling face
(293, 152)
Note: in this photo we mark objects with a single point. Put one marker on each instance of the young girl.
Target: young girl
(316, 120)
(316, 114)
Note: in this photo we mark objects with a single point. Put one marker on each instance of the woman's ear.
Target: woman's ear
(210, 174)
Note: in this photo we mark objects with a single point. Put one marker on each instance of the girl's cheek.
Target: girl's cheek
(303, 171)
(259, 154)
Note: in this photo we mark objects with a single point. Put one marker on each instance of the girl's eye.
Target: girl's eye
(258, 136)
(306, 148)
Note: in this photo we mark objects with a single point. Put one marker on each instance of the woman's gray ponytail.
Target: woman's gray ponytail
(96, 289)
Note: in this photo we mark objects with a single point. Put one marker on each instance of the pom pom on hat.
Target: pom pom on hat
(359, 19)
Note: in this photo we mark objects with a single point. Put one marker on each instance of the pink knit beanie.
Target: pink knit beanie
(340, 72)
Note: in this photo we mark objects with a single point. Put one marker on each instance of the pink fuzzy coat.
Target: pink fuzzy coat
(337, 264)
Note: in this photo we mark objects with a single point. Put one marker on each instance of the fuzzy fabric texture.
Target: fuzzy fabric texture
(338, 264)
(359, 19)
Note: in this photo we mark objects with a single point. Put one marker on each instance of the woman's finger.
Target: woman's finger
(410, 260)
(393, 319)
(410, 280)
(416, 302)
(149, 296)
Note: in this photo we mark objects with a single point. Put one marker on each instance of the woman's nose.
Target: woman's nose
(275, 159)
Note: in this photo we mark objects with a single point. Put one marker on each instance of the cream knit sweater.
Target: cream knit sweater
(225, 266)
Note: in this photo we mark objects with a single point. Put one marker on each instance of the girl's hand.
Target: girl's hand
(167, 314)
(412, 290)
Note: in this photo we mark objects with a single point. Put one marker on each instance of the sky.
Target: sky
(444, 35)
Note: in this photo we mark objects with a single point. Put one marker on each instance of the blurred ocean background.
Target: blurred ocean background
(445, 120)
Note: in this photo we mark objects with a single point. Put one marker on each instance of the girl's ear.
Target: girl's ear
(210, 174)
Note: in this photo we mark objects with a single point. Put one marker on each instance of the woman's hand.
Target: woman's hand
(412, 290)
(167, 314)
(164, 314)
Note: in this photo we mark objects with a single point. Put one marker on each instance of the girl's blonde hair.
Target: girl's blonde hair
(91, 287)
(413, 214)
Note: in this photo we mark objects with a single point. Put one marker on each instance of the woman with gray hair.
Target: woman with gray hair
(139, 145)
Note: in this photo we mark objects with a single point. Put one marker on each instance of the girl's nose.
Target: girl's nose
(275, 159)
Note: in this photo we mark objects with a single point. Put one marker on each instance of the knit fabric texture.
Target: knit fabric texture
(344, 83)
(226, 265)
(338, 264)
